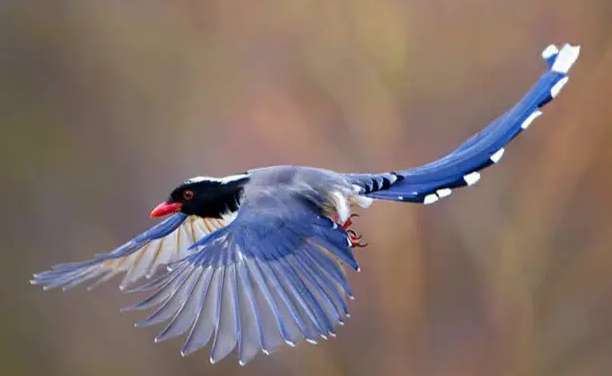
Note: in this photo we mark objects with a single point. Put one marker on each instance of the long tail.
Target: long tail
(428, 183)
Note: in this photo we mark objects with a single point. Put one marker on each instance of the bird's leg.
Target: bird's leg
(349, 221)
(355, 239)
(354, 236)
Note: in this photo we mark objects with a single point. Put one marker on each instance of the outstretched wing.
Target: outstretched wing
(272, 276)
(166, 242)
(426, 184)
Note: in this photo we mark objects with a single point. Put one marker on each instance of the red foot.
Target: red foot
(349, 222)
(355, 239)
(354, 236)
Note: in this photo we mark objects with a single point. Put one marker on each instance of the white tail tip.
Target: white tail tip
(556, 89)
(471, 178)
(496, 157)
(430, 199)
(550, 51)
(566, 58)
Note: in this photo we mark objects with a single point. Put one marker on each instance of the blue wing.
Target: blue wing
(272, 276)
(166, 242)
(430, 182)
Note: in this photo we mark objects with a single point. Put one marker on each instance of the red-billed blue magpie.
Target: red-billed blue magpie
(254, 260)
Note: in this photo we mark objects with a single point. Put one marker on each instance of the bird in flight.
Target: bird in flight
(252, 261)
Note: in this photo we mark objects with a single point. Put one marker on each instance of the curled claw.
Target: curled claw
(354, 234)
(358, 243)
(355, 239)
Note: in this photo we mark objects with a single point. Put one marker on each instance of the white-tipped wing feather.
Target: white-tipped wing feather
(139, 258)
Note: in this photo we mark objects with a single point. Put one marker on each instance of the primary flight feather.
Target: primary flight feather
(251, 261)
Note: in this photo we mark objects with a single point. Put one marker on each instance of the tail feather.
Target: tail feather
(428, 183)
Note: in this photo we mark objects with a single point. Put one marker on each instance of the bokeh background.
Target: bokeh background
(107, 105)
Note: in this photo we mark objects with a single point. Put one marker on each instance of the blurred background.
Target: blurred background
(107, 105)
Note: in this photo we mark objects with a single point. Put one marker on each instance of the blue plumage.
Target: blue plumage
(70, 274)
(275, 264)
(478, 152)
(255, 260)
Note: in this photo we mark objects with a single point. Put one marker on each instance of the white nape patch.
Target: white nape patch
(556, 89)
(497, 155)
(231, 178)
(566, 58)
(342, 206)
(430, 199)
(223, 180)
(550, 51)
(444, 192)
(534, 115)
(471, 178)
(197, 179)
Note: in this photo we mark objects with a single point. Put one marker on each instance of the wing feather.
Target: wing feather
(167, 242)
(265, 306)
(321, 296)
(293, 324)
(277, 301)
(273, 276)
(206, 320)
(184, 319)
(332, 287)
(250, 329)
(173, 300)
(226, 333)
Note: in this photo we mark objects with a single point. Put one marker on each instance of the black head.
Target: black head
(204, 196)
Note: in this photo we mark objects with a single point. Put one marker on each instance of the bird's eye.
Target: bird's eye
(188, 195)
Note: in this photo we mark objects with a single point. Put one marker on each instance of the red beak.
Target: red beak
(165, 208)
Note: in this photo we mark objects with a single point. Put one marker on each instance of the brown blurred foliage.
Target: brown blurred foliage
(107, 105)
